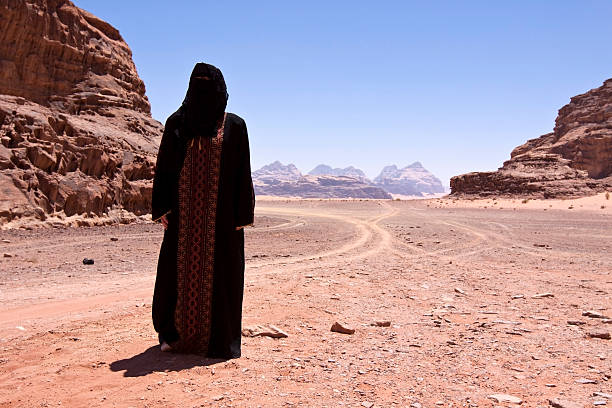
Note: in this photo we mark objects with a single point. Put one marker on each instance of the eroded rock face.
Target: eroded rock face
(76, 133)
(55, 54)
(574, 160)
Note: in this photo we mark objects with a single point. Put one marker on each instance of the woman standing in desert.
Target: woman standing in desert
(203, 196)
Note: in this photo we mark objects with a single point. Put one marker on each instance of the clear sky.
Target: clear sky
(455, 85)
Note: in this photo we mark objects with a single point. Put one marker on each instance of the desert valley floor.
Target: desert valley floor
(482, 302)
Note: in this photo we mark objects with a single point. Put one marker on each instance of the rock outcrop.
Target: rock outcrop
(412, 180)
(279, 180)
(76, 131)
(574, 160)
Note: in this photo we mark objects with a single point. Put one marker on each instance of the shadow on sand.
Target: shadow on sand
(153, 360)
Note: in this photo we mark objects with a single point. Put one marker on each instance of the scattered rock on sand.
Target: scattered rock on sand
(600, 335)
(506, 398)
(602, 394)
(7, 255)
(6, 241)
(264, 331)
(594, 314)
(114, 239)
(575, 322)
(586, 381)
(342, 328)
(557, 403)
(543, 295)
(460, 291)
(382, 323)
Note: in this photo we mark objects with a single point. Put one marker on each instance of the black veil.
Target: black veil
(205, 102)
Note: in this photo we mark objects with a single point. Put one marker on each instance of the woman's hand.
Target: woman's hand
(164, 221)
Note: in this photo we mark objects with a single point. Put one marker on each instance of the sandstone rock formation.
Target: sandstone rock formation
(412, 180)
(76, 131)
(574, 160)
(279, 180)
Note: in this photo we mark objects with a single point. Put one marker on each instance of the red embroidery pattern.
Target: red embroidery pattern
(198, 191)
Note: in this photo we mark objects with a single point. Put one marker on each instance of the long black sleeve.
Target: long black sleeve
(166, 172)
(245, 203)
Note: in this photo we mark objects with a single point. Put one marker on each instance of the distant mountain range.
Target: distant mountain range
(277, 179)
(325, 170)
(411, 180)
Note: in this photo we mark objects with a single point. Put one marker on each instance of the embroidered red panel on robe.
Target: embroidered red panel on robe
(198, 191)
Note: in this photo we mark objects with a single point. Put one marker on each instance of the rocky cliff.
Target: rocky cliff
(281, 180)
(412, 180)
(76, 131)
(574, 160)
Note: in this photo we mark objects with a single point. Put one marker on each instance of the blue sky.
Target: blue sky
(453, 84)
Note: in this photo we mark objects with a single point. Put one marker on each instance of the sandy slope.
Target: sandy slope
(457, 283)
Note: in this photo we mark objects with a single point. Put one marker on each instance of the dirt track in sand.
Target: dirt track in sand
(456, 283)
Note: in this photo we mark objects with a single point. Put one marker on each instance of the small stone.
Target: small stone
(603, 395)
(600, 402)
(218, 398)
(557, 403)
(460, 291)
(575, 322)
(114, 239)
(600, 335)
(367, 404)
(382, 323)
(551, 385)
(88, 261)
(518, 296)
(585, 381)
(606, 321)
(542, 295)
(593, 314)
(6, 241)
(265, 331)
(416, 405)
(7, 255)
(341, 328)
(506, 398)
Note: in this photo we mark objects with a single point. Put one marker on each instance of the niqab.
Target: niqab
(205, 102)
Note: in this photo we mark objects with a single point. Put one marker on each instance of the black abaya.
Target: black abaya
(216, 327)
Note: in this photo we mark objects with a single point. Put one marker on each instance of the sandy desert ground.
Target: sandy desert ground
(482, 301)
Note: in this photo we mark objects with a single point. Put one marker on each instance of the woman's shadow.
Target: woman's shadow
(154, 360)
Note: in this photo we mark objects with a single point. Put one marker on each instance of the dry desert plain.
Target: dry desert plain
(481, 302)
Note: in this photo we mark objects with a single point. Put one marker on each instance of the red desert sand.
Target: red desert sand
(490, 302)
